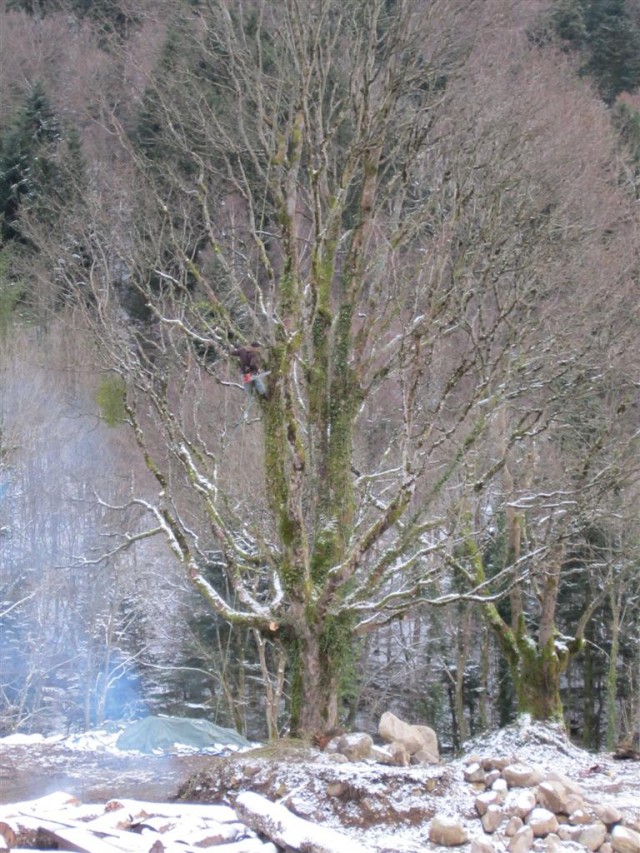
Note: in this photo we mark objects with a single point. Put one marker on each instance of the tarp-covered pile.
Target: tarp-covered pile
(166, 734)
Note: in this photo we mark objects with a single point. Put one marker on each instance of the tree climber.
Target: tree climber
(249, 358)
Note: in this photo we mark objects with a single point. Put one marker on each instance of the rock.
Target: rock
(336, 789)
(574, 803)
(400, 756)
(423, 756)
(356, 746)
(521, 776)
(552, 795)
(223, 836)
(553, 844)
(607, 814)
(625, 840)
(501, 788)
(520, 802)
(521, 841)
(569, 833)
(430, 741)
(499, 764)
(492, 818)
(337, 758)
(491, 777)
(515, 823)
(481, 845)
(606, 848)
(394, 754)
(447, 831)
(413, 738)
(483, 801)
(474, 773)
(592, 836)
(542, 822)
(579, 817)
(567, 783)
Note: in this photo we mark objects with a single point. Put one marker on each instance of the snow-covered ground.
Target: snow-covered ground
(379, 807)
(101, 740)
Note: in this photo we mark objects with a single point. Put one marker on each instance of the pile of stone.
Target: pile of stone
(404, 744)
(521, 807)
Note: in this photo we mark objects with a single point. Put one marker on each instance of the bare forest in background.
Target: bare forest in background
(426, 215)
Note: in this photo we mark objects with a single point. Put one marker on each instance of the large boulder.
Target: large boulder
(430, 740)
(415, 739)
(356, 746)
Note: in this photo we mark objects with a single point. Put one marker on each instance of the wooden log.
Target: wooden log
(290, 831)
(78, 840)
(67, 833)
(7, 835)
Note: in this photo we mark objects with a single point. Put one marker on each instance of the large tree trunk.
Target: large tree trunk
(536, 667)
(536, 677)
(316, 680)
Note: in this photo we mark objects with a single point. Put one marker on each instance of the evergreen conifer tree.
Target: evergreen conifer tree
(608, 36)
(27, 159)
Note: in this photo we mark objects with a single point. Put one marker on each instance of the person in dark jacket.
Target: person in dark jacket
(249, 358)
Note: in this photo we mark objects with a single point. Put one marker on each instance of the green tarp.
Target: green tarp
(169, 733)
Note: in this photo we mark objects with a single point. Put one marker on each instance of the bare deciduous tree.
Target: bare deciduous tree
(354, 186)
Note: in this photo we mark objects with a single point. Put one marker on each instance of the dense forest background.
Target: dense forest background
(427, 215)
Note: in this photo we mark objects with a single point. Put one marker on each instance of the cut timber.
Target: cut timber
(80, 838)
(85, 841)
(216, 812)
(289, 831)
